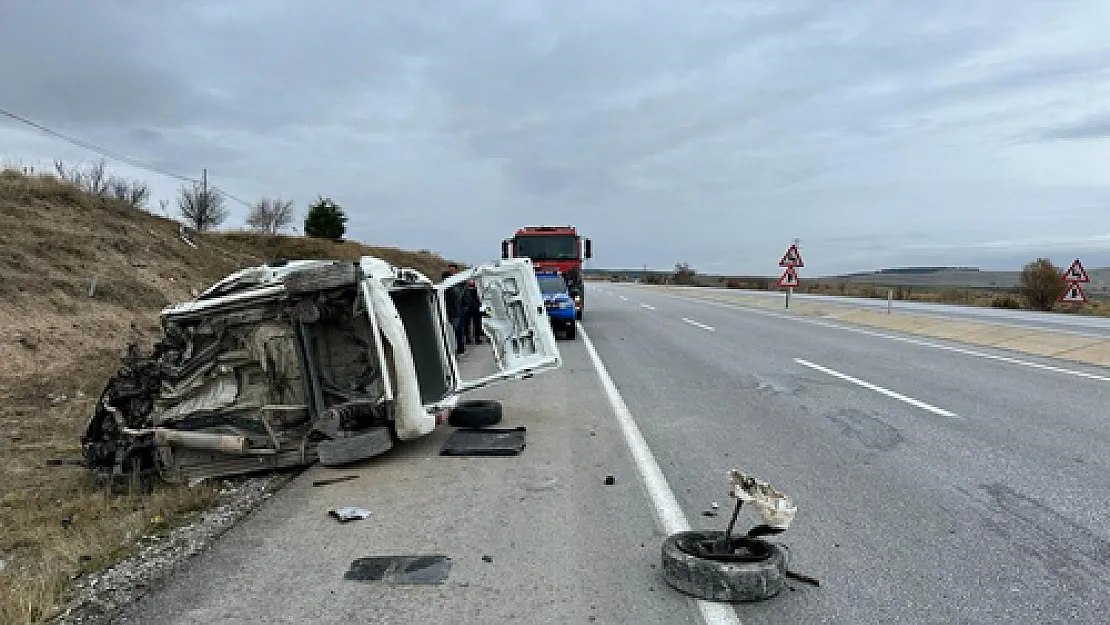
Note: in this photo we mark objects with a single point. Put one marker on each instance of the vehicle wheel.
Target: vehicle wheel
(752, 570)
(320, 278)
(578, 315)
(571, 330)
(347, 449)
(475, 413)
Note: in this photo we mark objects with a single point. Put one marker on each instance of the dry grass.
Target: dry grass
(988, 297)
(57, 341)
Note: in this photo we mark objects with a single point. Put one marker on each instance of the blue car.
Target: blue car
(559, 303)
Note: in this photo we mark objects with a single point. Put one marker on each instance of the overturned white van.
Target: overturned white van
(295, 362)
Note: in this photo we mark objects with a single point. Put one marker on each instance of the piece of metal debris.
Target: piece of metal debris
(400, 569)
(349, 513)
(333, 480)
(812, 581)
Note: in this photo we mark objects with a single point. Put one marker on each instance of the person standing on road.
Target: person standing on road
(473, 323)
(456, 313)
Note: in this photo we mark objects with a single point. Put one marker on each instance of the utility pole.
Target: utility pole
(204, 185)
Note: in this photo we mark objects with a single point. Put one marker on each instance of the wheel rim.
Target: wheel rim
(736, 549)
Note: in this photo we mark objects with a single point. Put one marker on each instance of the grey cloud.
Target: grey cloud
(1093, 127)
(880, 132)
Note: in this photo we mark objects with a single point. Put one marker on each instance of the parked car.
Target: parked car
(297, 361)
(558, 301)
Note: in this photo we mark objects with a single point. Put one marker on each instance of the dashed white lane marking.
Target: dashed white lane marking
(878, 389)
(700, 325)
(903, 339)
(647, 306)
(667, 510)
(624, 298)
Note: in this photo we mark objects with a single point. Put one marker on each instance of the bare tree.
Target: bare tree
(270, 215)
(97, 181)
(201, 206)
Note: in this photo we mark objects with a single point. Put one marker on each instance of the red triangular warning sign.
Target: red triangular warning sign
(1074, 294)
(789, 278)
(1076, 272)
(792, 258)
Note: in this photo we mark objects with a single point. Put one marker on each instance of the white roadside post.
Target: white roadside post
(889, 300)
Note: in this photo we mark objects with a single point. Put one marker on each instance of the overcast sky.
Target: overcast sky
(879, 132)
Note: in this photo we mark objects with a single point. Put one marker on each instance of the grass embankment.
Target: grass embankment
(58, 345)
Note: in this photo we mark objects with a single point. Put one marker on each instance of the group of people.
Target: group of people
(464, 311)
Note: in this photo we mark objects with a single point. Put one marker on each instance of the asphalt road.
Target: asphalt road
(1079, 324)
(933, 486)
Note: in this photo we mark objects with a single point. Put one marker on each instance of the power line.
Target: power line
(110, 154)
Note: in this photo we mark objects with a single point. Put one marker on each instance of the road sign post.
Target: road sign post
(1075, 276)
(791, 260)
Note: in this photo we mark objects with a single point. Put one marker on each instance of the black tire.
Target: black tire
(475, 413)
(578, 315)
(311, 280)
(757, 571)
(571, 330)
(372, 442)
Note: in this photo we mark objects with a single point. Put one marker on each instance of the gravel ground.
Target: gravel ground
(99, 597)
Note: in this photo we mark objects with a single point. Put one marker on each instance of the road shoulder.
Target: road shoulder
(538, 536)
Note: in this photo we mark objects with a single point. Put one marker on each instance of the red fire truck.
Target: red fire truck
(558, 248)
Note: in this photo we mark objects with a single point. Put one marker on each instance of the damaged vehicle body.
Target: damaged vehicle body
(296, 362)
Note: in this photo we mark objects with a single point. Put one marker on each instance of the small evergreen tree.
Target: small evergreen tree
(326, 220)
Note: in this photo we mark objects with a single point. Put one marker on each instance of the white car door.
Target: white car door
(514, 318)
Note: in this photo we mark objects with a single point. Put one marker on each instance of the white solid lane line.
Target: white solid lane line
(905, 339)
(667, 511)
(878, 389)
(700, 325)
(647, 306)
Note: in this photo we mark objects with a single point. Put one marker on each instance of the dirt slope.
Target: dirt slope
(57, 347)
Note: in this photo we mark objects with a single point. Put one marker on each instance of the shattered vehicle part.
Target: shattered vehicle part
(401, 570)
(751, 570)
(776, 507)
(719, 566)
(349, 513)
(485, 442)
(295, 362)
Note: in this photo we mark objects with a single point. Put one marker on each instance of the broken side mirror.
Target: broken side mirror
(505, 248)
(587, 253)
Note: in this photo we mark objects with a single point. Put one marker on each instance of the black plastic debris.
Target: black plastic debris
(400, 570)
(610, 480)
(485, 442)
(334, 480)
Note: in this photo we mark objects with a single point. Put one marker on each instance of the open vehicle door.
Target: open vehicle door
(514, 319)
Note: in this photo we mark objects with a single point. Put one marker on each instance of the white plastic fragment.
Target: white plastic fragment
(775, 506)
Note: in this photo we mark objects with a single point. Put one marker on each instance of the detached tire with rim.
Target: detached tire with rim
(475, 413)
(752, 570)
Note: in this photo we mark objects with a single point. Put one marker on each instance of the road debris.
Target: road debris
(610, 480)
(720, 566)
(400, 570)
(485, 442)
(349, 513)
(334, 480)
